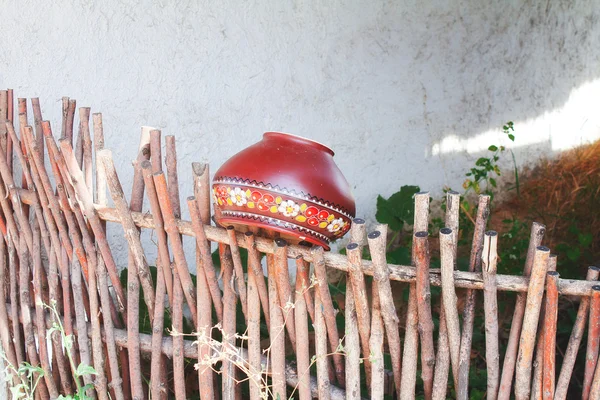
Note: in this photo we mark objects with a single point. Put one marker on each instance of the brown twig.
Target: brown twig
(490, 305)
(411, 335)
(181, 265)
(377, 248)
(178, 361)
(530, 322)
(566, 371)
(550, 321)
(229, 317)
(276, 336)
(254, 349)
(30, 343)
(328, 311)
(363, 313)
(538, 364)
(255, 266)
(208, 267)
(205, 372)
(321, 347)
(158, 387)
(483, 212)
(14, 300)
(447, 244)
(156, 163)
(131, 232)
(116, 383)
(377, 384)
(238, 270)
(5, 334)
(351, 347)
(508, 367)
(284, 288)
(593, 343)
(303, 272)
(84, 197)
(424, 311)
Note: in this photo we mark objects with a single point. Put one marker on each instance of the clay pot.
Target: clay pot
(287, 184)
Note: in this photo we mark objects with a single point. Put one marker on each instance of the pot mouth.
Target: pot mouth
(299, 139)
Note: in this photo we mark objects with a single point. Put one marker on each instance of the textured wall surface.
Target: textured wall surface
(405, 92)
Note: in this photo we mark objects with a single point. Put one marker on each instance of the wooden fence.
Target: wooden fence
(87, 329)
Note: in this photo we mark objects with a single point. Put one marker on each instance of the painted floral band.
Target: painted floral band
(317, 218)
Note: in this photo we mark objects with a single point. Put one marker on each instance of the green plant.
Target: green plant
(29, 375)
(397, 212)
(482, 177)
(78, 372)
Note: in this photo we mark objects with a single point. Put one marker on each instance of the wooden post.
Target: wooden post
(351, 346)
(449, 294)
(254, 348)
(276, 336)
(85, 199)
(593, 343)
(377, 248)
(256, 267)
(411, 336)
(328, 311)
(132, 234)
(28, 330)
(116, 382)
(538, 364)
(490, 305)
(284, 289)
(177, 247)
(483, 212)
(321, 348)
(238, 270)
(424, 311)
(530, 322)
(510, 356)
(566, 371)
(550, 321)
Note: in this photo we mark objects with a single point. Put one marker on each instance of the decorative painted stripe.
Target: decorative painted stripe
(290, 193)
(275, 221)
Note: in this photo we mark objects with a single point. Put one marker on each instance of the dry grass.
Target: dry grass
(563, 194)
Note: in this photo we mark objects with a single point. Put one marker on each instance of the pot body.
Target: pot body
(286, 184)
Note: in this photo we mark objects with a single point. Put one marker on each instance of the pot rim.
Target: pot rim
(300, 138)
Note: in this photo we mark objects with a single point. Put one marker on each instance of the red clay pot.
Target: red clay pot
(286, 184)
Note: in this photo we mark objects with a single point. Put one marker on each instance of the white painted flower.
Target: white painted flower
(238, 197)
(335, 225)
(289, 208)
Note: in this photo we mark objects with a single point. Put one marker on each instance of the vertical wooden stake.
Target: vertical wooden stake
(254, 350)
(550, 335)
(562, 385)
(424, 311)
(284, 289)
(530, 322)
(490, 305)
(321, 348)
(302, 340)
(276, 336)
(510, 356)
(411, 336)
(449, 294)
(593, 343)
(483, 212)
(381, 275)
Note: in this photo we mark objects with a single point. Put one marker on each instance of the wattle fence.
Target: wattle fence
(71, 323)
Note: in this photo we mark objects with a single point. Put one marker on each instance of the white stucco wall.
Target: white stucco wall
(405, 92)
